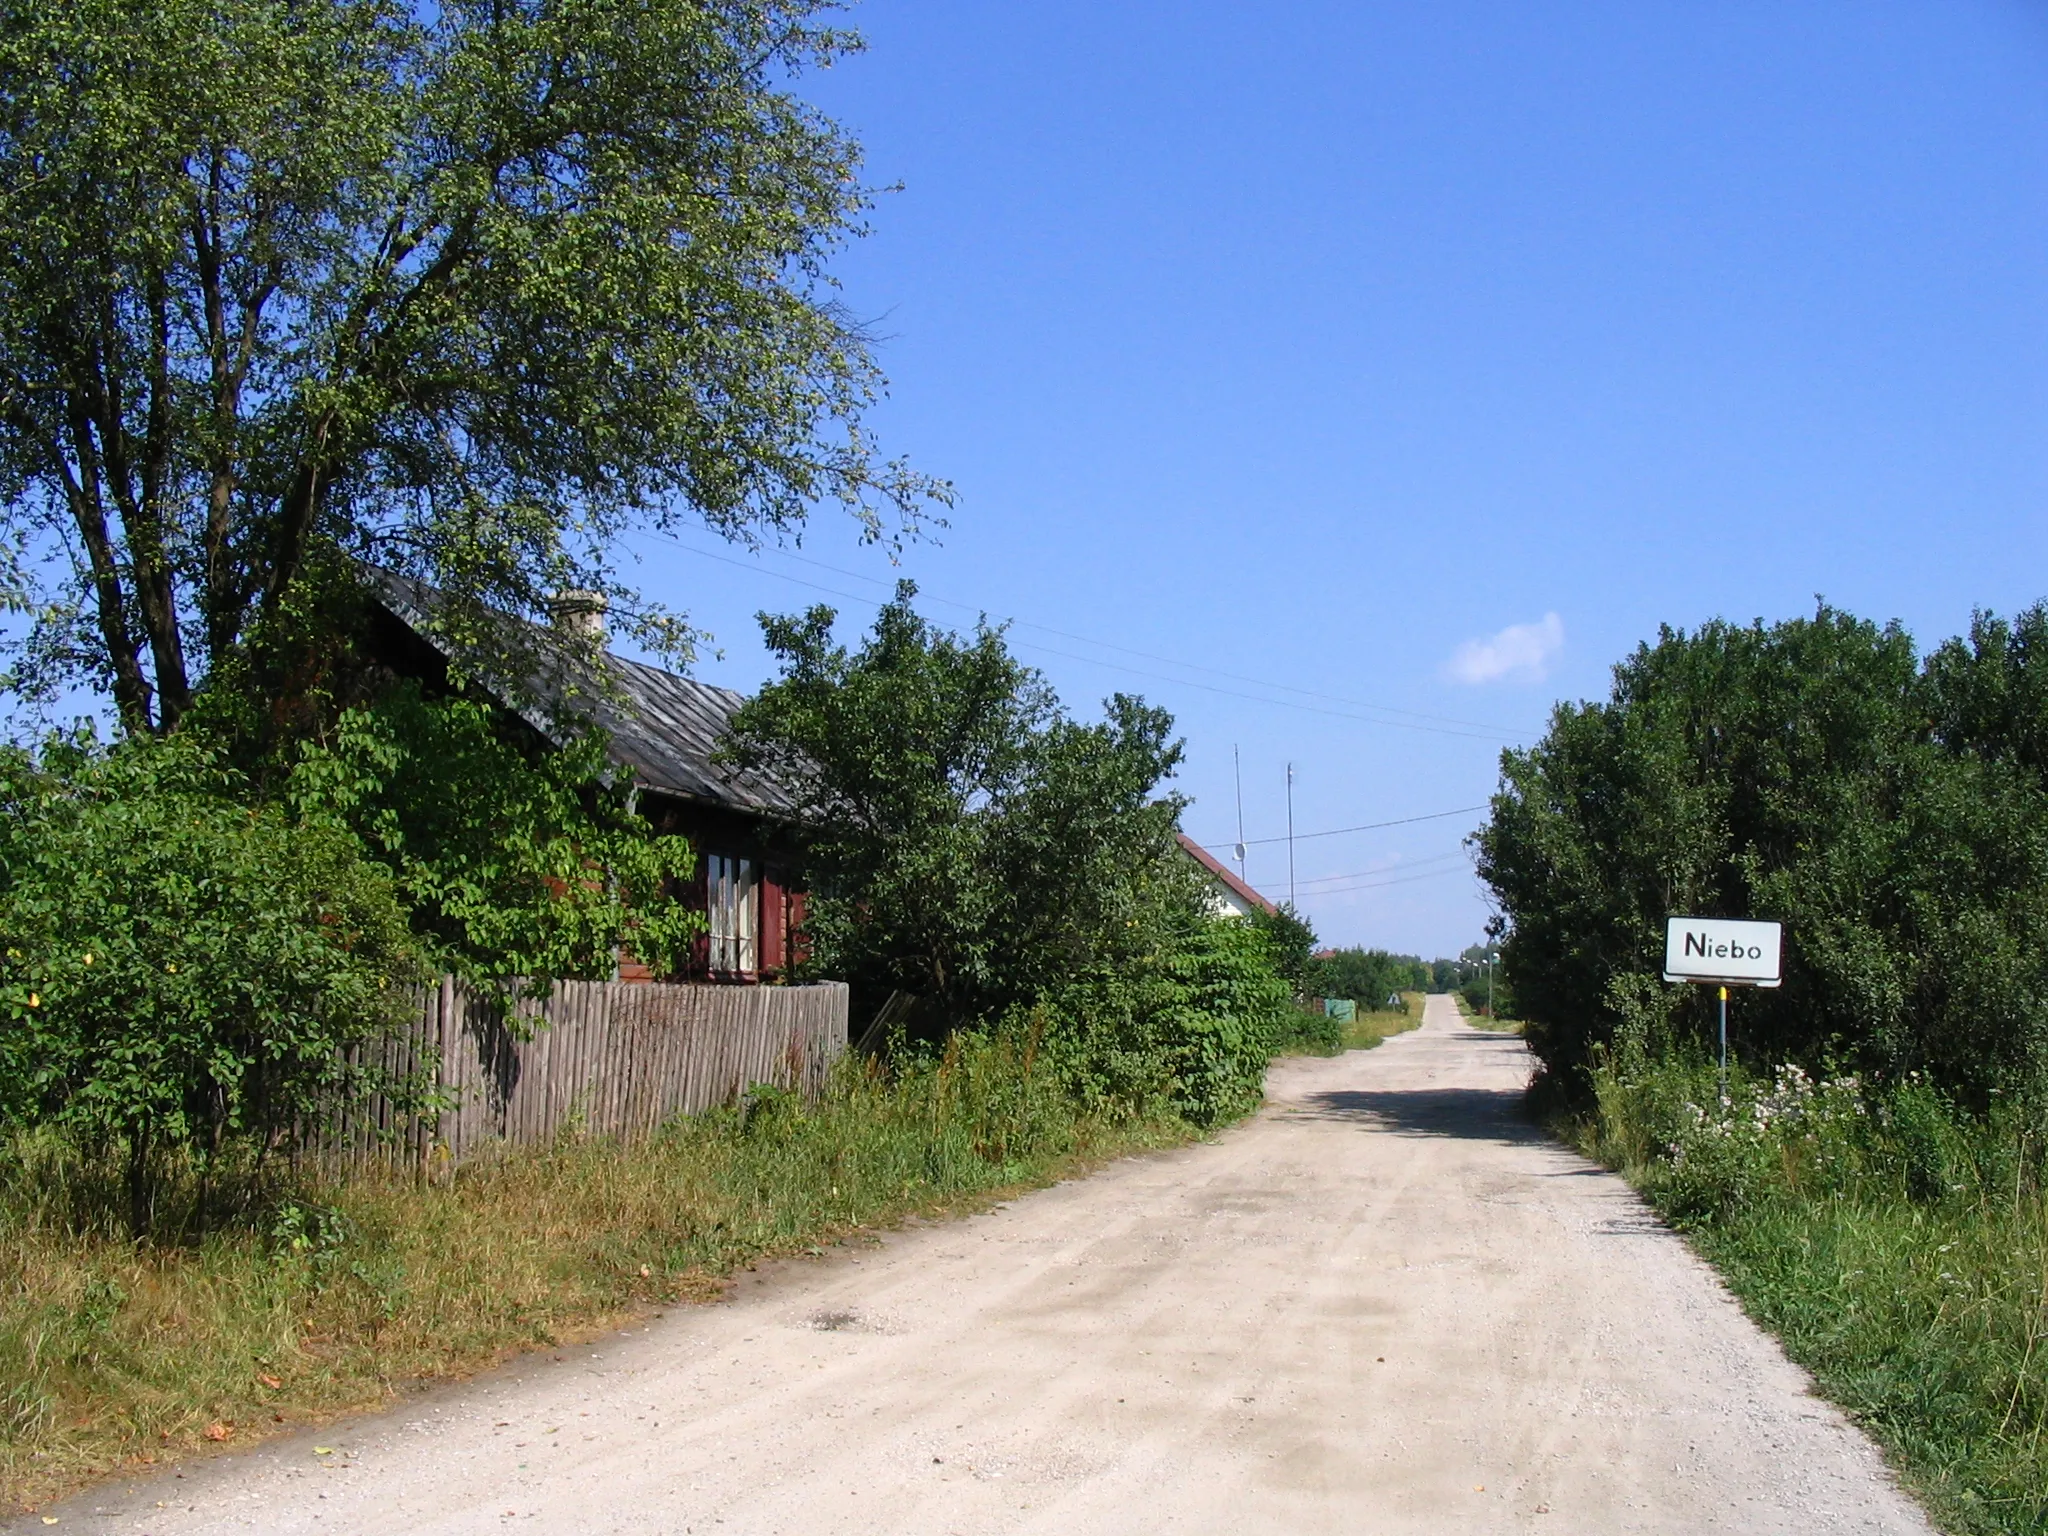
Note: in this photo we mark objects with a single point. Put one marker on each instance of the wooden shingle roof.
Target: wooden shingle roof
(665, 728)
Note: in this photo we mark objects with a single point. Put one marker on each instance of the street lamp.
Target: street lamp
(1496, 925)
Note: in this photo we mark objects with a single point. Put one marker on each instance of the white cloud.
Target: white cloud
(1521, 652)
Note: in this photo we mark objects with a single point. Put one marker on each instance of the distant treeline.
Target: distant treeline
(1370, 976)
(1890, 809)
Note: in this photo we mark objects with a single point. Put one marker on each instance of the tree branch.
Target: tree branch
(82, 492)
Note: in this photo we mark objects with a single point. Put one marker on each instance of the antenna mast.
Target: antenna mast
(1237, 772)
(1290, 834)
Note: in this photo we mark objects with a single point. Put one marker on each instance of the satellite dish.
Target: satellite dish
(1237, 852)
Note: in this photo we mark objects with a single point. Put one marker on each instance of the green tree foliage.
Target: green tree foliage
(515, 858)
(972, 844)
(1484, 987)
(1368, 976)
(182, 973)
(467, 288)
(1009, 866)
(1893, 815)
(1290, 954)
(1189, 1018)
(1291, 942)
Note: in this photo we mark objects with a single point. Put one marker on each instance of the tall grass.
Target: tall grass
(287, 1302)
(1371, 1028)
(1478, 1018)
(1898, 1248)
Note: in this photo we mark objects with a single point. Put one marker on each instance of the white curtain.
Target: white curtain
(733, 888)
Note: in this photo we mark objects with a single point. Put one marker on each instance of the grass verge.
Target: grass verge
(1897, 1248)
(1476, 1019)
(335, 1296)
(1370, 1029)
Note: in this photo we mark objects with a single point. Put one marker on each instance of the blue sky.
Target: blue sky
(1321, 344)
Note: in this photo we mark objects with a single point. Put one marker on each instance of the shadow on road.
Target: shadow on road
(1474, 1114)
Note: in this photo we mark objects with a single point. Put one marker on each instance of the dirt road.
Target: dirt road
(1386, 1305)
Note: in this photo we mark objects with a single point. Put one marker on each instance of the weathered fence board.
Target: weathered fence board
(612, 1058)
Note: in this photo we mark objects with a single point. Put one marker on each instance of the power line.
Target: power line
(1470, 729)
(1360, 874)
(1108, 645)
(1236, 693)
(1374, 885)
(1370, 826)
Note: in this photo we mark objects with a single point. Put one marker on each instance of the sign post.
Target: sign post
(1723, 952)
(1724, 1044)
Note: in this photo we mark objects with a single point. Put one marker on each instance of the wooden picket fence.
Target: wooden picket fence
(603, 1057)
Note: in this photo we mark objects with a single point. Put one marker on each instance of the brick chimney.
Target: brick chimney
(581, 613)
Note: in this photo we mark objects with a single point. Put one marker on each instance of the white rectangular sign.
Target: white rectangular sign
(1734, 953)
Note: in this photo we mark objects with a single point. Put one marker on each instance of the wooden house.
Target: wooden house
(665, 730)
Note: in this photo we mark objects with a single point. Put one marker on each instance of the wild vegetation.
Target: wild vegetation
(194, 951)
(975, 844)
(183, 975)
(979, 850)
(1873, 1183)
(191, 953)
(492, 837)
(1896, 1244)
(282, 1302)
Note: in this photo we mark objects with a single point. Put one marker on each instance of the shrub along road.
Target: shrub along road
(1387, 1304)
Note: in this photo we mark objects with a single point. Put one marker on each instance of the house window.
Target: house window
(733, 892)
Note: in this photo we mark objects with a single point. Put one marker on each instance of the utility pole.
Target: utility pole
(1237, 772)
(1290, 834)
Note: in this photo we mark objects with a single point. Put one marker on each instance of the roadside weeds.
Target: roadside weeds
(1365, 1030)
(1898, 1253)
(342, 1295)
(1474, 1019)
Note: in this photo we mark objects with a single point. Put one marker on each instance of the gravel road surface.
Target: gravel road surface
(1385, 1305)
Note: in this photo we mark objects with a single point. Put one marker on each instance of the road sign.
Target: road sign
(1722, 950)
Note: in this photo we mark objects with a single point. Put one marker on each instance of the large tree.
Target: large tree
(466, 289)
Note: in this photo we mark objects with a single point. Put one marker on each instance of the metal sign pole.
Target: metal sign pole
(1724, 952)
(1724, 1045)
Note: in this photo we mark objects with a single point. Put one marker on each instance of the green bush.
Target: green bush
(1226, 1021)
(1310, 1032)
(1006, 864)
(1292, 943)
(182, 972)
(1189, 1027)
(971, 843)
(513, 858)
(1890, 810)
